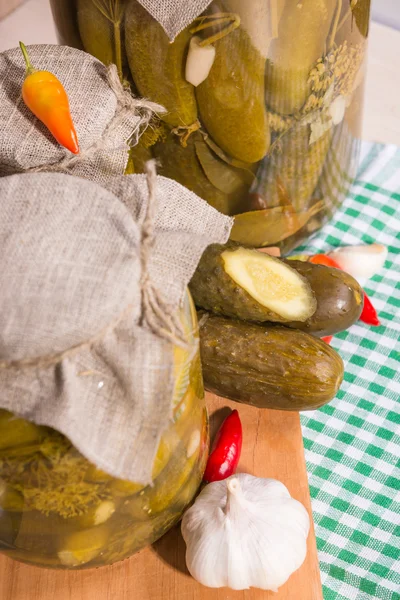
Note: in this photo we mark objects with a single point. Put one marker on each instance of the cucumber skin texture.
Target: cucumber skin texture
(268, 366)
(339, 299)
(231, 100)
(213, 289)
(158, 66)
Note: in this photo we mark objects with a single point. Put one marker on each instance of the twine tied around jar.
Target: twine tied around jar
(154, 311)
(90, 281)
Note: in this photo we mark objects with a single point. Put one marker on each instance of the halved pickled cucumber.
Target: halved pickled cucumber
(231, 100)
(157, 65)
(302, 35)
(247, 284)
(83, 546)
(339, 299)
(268, 366)
(15, 431)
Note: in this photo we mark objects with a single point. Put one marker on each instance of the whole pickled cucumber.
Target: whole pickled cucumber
(100, 35)
(246, 284)
(302, 34)
(339, 299)
(268, 366)
(296, 166)
(157, 65)
(231, 100)
(182, 164)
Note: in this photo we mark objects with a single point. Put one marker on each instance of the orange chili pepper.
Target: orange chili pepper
(46, 97)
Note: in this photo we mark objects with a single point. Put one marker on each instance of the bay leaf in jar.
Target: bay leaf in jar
(226, 178)
(270, 226)
(231, 100)
(361, 13)
(302, 36)
(183, 165)
(157, 66)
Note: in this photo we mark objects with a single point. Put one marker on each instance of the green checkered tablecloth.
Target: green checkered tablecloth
(352, 445)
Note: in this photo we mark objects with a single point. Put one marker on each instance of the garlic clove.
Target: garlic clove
(318, 128)
(199, 61)
(337, 109)
(362, 262)
(245, 532)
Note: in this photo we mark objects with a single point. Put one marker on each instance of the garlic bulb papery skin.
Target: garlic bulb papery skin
(245, 532)
(361, 262)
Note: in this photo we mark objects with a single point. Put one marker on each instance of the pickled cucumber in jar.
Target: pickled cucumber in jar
(157, 66)
(264, 102)
(59, 510)
(302, 37)
(293, 169)
(100, 26)
(231, 99)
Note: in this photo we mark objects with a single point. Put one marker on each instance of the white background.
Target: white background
(387, 12)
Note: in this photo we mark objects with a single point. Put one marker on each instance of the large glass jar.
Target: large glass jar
(263, 97)
(58, 510)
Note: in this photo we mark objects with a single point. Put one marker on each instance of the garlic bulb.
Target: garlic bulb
(362, 262)
(245, 532)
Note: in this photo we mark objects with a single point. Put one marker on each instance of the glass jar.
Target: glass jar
(58, 510)
(264, 102)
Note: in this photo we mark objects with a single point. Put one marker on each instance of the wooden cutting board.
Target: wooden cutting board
(272, 447)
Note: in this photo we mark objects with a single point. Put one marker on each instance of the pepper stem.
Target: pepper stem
(29, 68)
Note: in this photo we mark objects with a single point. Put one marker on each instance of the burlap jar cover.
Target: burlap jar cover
(107, 117)
(175, 15)
(89, 286)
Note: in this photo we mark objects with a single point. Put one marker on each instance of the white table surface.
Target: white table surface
(32, 23)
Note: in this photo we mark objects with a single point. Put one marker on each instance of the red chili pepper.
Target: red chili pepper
(327, 339)
(322, 259)
(369, 314)
(46, 97)
(227, 447)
